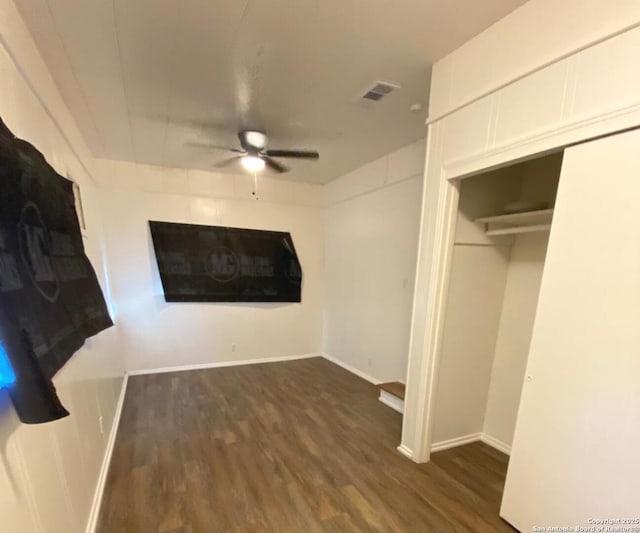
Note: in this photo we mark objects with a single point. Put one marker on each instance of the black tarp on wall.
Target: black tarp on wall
(50, 299)
(220, 264)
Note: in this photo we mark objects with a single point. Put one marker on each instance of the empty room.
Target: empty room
(294, 265)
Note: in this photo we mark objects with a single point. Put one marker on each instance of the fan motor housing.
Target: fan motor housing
(252, 140)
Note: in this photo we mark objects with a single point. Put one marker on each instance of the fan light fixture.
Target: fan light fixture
(254, 156)
(252, 163)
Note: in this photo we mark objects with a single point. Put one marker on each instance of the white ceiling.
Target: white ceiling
(143, 78)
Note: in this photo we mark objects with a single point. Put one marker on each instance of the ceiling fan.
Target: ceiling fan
(254, 157)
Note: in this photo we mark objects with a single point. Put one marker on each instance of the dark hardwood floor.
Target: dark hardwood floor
(287, 447)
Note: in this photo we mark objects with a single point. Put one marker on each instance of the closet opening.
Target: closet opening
(502, 230)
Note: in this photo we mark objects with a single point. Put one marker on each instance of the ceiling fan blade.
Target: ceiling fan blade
(208, 146)
(227, 162)
(274, 165)
(298, 154)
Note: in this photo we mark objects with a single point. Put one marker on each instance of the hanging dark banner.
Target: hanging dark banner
(219, 264)
(50, 299)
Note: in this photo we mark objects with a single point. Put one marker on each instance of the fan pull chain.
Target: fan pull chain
(255, 186)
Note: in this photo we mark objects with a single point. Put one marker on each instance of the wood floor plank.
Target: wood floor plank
(284, 447)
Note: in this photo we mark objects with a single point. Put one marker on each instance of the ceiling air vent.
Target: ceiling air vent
(379, 90)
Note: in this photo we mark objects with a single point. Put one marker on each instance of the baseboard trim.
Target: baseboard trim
(495, 443)
(220, 364)
(94, 514)
(392, 401)
(457, 441)
(407, 452)
(472, 437)
(351, 369)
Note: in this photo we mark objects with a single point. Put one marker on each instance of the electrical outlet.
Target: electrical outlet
(233, 347)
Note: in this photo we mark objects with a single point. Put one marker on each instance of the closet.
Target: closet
(574, 452)
(502, 230)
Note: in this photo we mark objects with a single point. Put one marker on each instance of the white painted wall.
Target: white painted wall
(575, 450)
(526, 263)
(156, 334)
(524, 273)
(370, 218)
(49, 472)
(371, 222)
(530, 37)
(474, 305)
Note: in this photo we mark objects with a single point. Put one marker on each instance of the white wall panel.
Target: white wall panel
(156, 334)
(45, 474)
(370, 257)
(534, 35)
(524, 273)
(359, 181)
(49, 472)
(532, 105)
(17, 505)
(474, 304)
(440, 91)
(607, 77)
(467, 132)
(405, 162)
(175, 181)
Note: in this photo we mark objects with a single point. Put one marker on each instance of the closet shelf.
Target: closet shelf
(526, 222)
